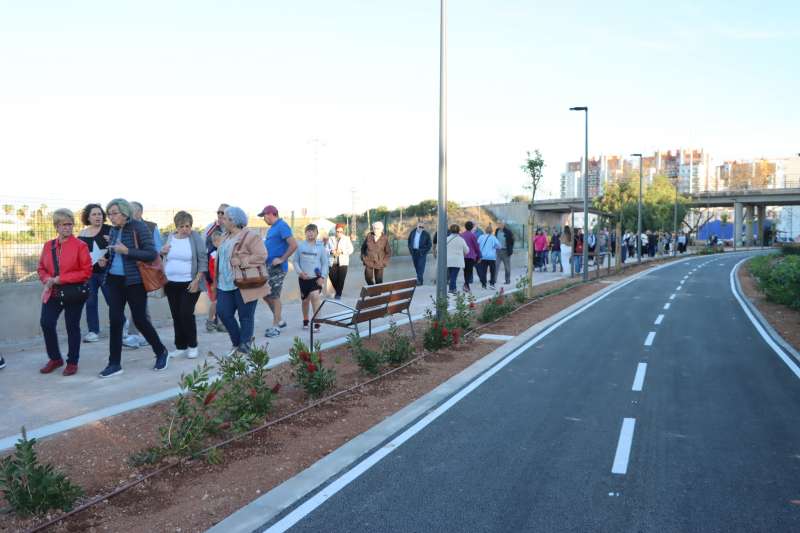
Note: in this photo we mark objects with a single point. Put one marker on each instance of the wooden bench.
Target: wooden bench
(376, 301)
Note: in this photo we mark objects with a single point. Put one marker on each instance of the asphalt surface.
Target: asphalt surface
(715, 446)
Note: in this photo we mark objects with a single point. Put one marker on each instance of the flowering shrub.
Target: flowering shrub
(245, 398)
(368, 360)
(497, 306)
(778, 277)
(396, 348)
(309, 370)
(447, 331)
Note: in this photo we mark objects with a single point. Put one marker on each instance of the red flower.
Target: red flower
(472, 305)
(276, 388)
(253, 393)
(435, 325)
(305, 356)
(456, 335)
(444, 332)
(311, 367)
(210, 397)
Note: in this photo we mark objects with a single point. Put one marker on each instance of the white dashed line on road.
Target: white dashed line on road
(659, 318)
(679, 287)
(624, 447)
(638, 379)
(649, 340)
(666, 306)
(672, 297)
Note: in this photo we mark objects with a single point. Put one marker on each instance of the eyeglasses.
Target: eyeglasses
(220, 212)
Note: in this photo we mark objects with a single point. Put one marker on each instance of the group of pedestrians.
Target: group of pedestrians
(653, 243)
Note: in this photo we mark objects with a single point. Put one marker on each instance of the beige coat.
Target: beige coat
(250, 253)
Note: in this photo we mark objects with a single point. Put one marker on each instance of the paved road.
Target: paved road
(540, 446)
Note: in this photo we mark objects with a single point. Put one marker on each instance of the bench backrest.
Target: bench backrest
(383, 299)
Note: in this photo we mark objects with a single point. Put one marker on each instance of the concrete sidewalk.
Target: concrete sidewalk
(48, 404)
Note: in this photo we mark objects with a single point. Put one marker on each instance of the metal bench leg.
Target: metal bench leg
(311, 333)
(410, 323)
(370, 329)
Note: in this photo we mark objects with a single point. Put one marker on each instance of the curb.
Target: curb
(756, 314)
(260, 512)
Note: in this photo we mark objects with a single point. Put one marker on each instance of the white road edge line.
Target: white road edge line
(624, 446)
(666, 306)
(649, 340)
(321, 497)
(659, 318)
(764, 335)
(638, 379)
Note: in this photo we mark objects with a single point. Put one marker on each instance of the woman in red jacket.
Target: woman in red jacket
(64, 268)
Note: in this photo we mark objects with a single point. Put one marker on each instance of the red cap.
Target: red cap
(269, 210)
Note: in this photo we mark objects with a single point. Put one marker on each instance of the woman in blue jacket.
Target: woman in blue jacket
(130, 241)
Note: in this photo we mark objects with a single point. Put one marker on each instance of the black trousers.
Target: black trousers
(338, 273)
(469, 264)
(373, 275)
(51, 310)
(135, 296)
(181, 307)
(481, 267)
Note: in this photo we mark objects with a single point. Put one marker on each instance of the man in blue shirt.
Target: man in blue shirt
(280, 245)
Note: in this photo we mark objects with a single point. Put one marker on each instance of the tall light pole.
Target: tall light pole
(675, 218)
(441, 243)
(585, 259)
(639, 213)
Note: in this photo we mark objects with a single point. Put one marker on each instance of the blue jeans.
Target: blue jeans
(452, 276)
(578, 262)
(419, 264)
(555, 258)
(51, 310)
(92, 315)
(230, 303)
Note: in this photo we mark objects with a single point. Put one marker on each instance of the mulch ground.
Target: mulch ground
(195, 496)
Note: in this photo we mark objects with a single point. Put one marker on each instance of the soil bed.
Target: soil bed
(197, 495)
(785, 320)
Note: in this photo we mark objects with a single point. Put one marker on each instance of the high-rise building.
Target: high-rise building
(753, 174)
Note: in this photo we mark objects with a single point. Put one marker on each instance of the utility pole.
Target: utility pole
(441, 244)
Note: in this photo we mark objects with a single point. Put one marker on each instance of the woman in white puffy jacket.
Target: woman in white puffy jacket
(339, 250)
(456, 250)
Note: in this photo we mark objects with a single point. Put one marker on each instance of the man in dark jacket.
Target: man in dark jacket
(419, 244)
(506, 239)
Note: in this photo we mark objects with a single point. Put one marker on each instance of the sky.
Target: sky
(322, 105)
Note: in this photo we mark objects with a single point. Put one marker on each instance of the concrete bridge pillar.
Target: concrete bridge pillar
(737, 224)
(749, 214)
(762, 223)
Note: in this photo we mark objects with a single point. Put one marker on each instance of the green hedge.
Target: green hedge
(779, 278)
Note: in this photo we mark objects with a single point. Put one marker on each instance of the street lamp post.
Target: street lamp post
(639, 213)
(585, 259)
(441, 244)
(675, 219)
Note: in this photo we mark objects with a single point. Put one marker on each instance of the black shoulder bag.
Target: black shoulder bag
(69, 293)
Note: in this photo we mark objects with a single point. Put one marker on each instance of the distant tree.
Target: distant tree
(522, 198)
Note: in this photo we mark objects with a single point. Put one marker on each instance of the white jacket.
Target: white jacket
(344, 245)
(456, 250)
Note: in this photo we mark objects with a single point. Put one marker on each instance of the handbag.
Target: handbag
(152, 273)
(248, 277)
(69, 293)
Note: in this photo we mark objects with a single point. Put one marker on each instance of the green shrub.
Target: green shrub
(779, 278)
(790, 249)
(368, 360)
(446, 330)
(396, 348)
(495, 307)
(246, 398)
(309, 369)
(31, 487)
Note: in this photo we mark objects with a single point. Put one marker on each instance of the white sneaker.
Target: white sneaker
(192, 353)
(233, 351)
(91, 337)
(131, 341)
(177, 353)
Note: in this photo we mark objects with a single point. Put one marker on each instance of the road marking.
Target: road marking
(624, 447)
(494, 337)
(672, 297)
(659, 318)
(679, 287)
(666, 306)
(761, 331)
(649, 340)
(638, 379)
(686, 277)
(682, 282)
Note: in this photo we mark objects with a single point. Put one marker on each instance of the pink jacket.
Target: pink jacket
(540, 243)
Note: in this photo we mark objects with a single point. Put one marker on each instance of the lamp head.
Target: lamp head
(636, 155)
(582, 108)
